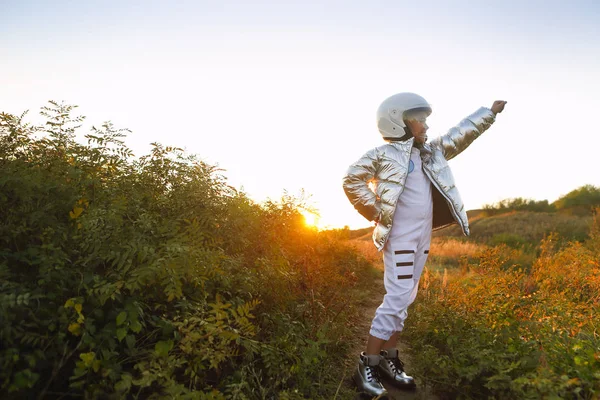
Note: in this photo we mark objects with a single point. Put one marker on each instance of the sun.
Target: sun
(311, 219)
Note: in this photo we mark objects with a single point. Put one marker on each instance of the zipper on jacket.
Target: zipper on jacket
(452, 210)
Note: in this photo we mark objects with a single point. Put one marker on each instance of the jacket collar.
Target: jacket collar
(405, 145)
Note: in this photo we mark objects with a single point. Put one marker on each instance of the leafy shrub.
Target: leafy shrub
(152, 278)
(518, 204)
(580, 201)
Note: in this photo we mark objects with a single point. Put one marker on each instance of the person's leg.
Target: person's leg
(387, 317)
(399, 261)
(391, 343)
(398, 258)
(408, 257)
(390, 365)
(375, 344)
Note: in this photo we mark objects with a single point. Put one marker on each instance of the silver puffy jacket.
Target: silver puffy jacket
(386, 168)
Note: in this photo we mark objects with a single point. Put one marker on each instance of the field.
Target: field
(151, 277)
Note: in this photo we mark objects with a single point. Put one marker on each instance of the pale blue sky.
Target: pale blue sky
(283, 94)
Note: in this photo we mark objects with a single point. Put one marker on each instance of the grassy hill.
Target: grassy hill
(513, 228)
(520, 227)
(522, 222)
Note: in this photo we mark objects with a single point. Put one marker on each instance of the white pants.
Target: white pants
(404, 257)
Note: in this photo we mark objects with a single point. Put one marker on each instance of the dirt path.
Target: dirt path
(360, 329)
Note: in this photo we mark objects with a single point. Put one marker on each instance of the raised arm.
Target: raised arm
(462, 135)
(356, 185)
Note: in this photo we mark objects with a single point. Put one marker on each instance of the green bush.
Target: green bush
(581, 201)
(518, 204)
(511, 240)
(152, 278)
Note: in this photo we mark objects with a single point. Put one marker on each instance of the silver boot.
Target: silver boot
(393, 369)
(367, 375)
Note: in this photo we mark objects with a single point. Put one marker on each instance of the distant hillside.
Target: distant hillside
(474, 214)
(360, 233)
(520, 221)
(513, 227)
(520, 226)
(581, 201)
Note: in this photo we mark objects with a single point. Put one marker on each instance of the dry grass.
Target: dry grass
(447, 252)
(452, 248)
(369, 251)
(443, 251)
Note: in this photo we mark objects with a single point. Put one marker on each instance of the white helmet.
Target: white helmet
(391, 113)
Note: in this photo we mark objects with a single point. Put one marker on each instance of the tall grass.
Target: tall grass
(450, 252)
(369, 251)
(453, 248)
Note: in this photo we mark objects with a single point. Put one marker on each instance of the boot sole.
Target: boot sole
(397, 385)
(362, 395)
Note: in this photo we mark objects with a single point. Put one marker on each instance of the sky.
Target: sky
(282, 94)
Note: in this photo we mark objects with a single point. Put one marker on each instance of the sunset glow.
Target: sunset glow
(290, 89)
(311, 219)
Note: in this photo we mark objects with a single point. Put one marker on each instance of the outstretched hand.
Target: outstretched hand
(498, 106)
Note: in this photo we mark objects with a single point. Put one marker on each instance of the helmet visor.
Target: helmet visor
(417, 114)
